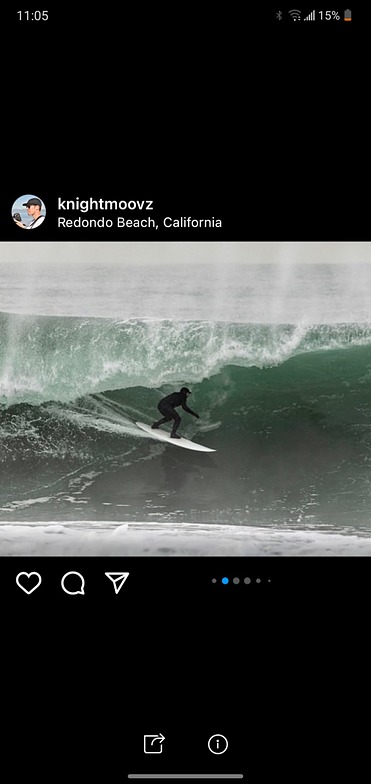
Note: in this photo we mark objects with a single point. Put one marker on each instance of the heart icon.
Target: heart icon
(28, 575)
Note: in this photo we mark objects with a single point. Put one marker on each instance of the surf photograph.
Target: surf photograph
(184, 398)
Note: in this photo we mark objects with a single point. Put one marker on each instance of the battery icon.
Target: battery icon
(347, 15)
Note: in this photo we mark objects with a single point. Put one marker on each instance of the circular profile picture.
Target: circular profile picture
(28, 212)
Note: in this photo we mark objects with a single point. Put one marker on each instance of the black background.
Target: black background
(268, 128)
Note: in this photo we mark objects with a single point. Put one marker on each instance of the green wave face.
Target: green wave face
(47, 358)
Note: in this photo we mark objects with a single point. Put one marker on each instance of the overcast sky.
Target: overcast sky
(186, 252)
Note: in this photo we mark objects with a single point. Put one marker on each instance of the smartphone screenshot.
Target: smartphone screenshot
(185, 431)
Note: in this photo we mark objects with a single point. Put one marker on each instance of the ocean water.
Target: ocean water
(278, 358)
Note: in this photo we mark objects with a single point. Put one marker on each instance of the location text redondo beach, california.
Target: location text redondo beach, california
(139, 223)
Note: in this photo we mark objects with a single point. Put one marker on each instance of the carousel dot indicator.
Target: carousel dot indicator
(213, 580)
(247, 580)
(225, 580)
(236, 580)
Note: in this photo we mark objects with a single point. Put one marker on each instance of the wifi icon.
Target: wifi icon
(295, 15)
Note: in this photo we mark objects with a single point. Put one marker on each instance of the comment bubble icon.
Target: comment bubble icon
(70, 588)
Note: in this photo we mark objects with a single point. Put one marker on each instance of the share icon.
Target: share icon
(118, 579)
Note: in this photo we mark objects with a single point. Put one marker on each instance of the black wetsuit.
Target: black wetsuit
(166, 407)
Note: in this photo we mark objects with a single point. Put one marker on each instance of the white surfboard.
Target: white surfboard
(161, 435)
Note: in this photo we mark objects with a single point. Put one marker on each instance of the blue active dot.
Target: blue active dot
(225, 580)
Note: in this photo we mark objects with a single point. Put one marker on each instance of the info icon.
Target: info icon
(217, 744)
(28, 211)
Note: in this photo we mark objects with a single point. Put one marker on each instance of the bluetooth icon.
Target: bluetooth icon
(279, 15)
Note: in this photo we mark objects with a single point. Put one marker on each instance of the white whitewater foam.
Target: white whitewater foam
(172, 539)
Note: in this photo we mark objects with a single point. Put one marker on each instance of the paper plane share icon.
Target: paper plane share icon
(118, 579)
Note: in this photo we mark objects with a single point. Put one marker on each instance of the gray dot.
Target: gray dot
(236, 580)
(213, 580)
(247, 580)
(258, 580)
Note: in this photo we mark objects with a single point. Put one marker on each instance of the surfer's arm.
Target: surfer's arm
(190, 411)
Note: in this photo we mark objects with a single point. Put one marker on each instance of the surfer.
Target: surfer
(167, 406)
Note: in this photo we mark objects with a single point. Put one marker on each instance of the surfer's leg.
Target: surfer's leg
(167, 411)
(161, 422)
(177, 421)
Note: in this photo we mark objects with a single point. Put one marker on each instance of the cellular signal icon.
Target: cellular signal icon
(311, 17)
(295, 15)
